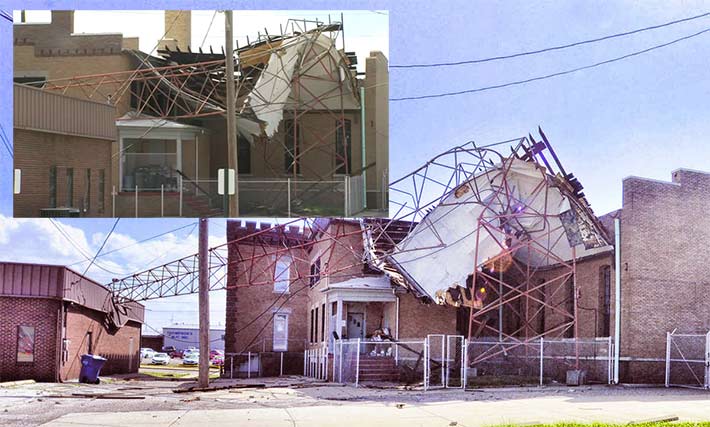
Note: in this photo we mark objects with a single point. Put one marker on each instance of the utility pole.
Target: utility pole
(232, 152)
(204, 302)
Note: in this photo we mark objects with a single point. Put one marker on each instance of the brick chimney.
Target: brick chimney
(63, 19)
(178, 29)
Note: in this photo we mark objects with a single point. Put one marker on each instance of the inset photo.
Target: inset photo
(142, 114)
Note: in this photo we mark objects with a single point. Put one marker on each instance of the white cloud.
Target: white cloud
(39, 241)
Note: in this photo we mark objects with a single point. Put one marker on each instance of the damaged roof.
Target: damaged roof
(509, 207)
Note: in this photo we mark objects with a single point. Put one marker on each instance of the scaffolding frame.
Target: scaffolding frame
(192, 85)
(250, 260)
(507, 280)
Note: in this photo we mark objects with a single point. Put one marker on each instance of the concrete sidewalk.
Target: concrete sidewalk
(448, 413)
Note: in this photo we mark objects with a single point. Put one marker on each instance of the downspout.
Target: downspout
(362, 144)
(617, 297)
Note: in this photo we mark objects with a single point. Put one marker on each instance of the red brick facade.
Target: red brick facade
(78, 167)
(45, 300)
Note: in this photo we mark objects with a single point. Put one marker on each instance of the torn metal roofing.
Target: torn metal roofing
(496, 208)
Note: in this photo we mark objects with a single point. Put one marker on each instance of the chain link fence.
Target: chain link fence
(688, 360)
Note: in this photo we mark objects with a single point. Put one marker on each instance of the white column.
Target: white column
(339, 318)
(120, 163)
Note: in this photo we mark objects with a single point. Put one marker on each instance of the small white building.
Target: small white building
(185, 336)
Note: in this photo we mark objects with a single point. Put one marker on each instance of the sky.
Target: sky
(644, 116)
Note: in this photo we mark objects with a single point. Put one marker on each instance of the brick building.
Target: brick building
(51, 315)
(299, 289)
(63, 148)
(665, 283)
(166, 162)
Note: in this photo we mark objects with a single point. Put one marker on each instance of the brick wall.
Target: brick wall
(115, 346)
(665, 277)
(42, 315)
(250, 309)
(416, 319)
(37, 152)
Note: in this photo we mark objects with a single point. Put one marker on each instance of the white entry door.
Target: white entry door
(356, 325)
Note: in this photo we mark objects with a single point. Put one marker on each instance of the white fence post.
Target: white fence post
(610, 364)
(707, 360)
(180, 206)
(231, 366)
(281, 370)
(249, 365)
(357, 364)
(668, 359)
(542, 359)
(113, 202)
(288, 196)
(305, 363)
(426, 364)
(464, 376)
(340, 364)
(346, 194)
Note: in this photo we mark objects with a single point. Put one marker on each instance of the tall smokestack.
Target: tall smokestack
(178, 29)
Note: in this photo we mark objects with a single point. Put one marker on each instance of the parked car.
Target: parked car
(147, 353)
(176, 354)
(192, 358)
(217, 360)
(216, 353)
(160, 359)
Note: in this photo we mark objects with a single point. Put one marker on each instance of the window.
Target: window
(25, 344)
(315, 272)
(101, 193)
(34, 81)
(315, 327)
(53, 187)
(570, 305)
(244, 154)
(605, 283)
(292, 150)
(282, 274)
(543, 297)
(343, 148)
(87, 191)
(70, 187)
(280, 332)
(312, 320)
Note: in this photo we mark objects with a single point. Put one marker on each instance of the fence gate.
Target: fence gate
(454, 362)
(434, 357)
(688, 360)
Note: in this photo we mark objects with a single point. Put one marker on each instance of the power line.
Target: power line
(208, 29)
(74, 244)
(548, 76)
(142, 241)
(5, 15)
(553, 48)
(115, 223)
(5, 141)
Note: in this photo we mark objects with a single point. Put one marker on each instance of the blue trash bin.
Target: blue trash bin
(90, 368)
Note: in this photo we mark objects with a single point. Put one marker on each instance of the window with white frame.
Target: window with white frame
(282, 274)
(280, 332)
